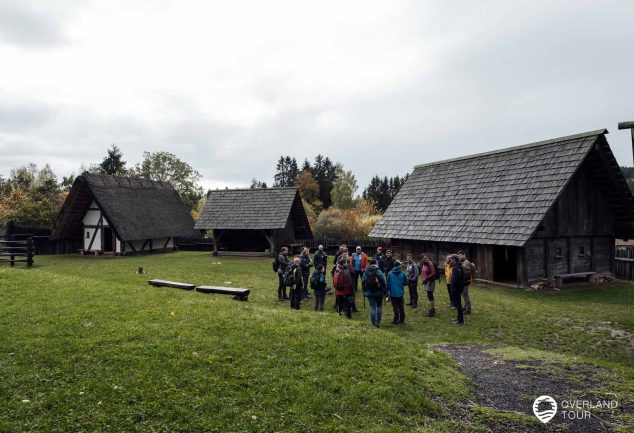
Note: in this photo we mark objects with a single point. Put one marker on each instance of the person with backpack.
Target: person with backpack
(396, 281)
(320, 257)
(305, 263)
(457, 281)
(294, 277)
(412, 281)
(428, 275)
(470, 274)
(388, 262)
(343, 283)
(281, 263)
(318, 284)
(374, 288)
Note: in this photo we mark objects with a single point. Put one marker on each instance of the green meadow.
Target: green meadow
(86, 345)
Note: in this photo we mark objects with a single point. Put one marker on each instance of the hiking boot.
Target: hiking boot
(455, 321)
(431, 313)
(409, 303)
(458, 323)
(393, 322)
(414, 305)
(466, 311)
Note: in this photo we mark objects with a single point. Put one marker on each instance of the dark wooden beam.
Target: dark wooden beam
(94, 235)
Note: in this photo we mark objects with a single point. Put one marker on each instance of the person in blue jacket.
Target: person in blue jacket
(396, 282)
(373, 285)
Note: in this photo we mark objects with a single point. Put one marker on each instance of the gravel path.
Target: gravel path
(514, 385)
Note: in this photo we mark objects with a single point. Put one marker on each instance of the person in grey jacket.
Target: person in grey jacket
(412, 281)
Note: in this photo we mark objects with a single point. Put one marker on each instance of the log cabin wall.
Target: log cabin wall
(577, 233)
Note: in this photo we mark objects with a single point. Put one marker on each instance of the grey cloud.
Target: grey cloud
(25, 24)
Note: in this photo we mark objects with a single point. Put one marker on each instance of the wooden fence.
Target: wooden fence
(332, 245)
(624, 262)
(13, 252)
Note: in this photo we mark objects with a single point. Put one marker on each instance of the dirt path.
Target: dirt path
(513, 386)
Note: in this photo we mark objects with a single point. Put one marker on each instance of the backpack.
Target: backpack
(372, 283)
(343, 279)
(276, 265)
(436, 271)
(467, 273)
(289, 276)
(315, 281)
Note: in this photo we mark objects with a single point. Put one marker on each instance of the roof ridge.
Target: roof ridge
(254, 189)
(513, 148)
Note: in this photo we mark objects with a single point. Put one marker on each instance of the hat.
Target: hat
(397, 263)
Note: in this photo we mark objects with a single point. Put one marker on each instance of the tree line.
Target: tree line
(329, 191)
(33, 197)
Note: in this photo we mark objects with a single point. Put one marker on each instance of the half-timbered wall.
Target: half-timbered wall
(92, 221)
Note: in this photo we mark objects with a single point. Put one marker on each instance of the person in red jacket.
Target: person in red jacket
(344, 287)
(428, 275)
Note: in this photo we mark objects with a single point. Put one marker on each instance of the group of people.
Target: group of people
(381, 278)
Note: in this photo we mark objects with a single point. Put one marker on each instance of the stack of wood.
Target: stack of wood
(546, 284)
(602, 277)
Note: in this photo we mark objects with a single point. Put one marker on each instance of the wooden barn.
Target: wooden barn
(543, 209)
(122, 215)
(255, 219)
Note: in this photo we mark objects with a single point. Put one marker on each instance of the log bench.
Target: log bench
(585, 275)
(174, 284)
(238, 293)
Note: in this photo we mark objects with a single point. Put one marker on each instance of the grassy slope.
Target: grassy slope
(149, 359)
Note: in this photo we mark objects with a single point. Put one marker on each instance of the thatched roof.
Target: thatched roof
(500, 197)
(252, 209)
(135, 208)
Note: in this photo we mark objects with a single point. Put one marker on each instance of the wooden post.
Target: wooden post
(630, 126)
(216, 239)
(29, 252)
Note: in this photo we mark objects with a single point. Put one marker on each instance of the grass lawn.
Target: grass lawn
(88, 345)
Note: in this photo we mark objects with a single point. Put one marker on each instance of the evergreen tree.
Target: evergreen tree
(113, 163)
(286, 171)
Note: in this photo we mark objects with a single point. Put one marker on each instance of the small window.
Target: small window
(88, 235)
(558, 253)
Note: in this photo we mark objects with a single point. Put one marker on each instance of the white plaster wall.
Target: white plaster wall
(96, 245)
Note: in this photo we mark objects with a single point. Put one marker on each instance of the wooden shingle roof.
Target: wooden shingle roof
(250, 209)
(496, 198)
(135, 208)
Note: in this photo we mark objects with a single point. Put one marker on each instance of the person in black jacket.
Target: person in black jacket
(297, 288)
(380, 258)
(457, 284)
(282, 264)
(388, 262)
(305, 263)
(320, 257)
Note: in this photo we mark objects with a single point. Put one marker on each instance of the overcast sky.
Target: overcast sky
(380, 86)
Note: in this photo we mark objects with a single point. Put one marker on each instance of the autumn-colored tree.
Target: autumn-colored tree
(343, 189)
(307, 186)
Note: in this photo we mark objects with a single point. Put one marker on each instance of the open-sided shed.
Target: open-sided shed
(122, 215)
(255, 219)
(548, 208)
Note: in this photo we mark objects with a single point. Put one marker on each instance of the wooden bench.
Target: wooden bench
(238, 293)
(585, 275)
(174, 284)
